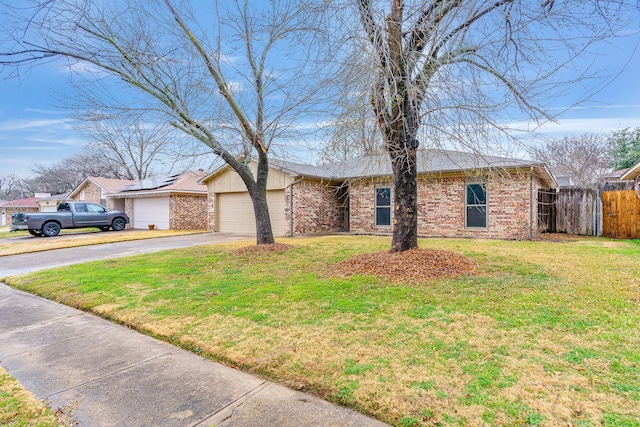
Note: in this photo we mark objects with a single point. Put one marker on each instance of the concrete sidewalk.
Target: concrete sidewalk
(103, 374)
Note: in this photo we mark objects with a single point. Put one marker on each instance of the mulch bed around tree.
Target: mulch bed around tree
(412, 266)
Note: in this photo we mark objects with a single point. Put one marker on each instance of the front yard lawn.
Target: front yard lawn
(543, 333)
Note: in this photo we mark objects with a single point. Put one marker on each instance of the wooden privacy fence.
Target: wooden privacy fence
(590, 212)
(570, 210)
(621, 214)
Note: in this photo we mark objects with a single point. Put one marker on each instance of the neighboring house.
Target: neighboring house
(633, 174)
(29, 204)
(459, 195)
(50, 203)
(175, 202)
(95, 189)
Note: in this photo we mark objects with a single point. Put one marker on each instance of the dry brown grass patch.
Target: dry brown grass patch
(263, 249)
(412, 266)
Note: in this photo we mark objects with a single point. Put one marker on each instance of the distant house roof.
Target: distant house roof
(56, 197)
(109, 185)
(632, 173)
(183, 183)
(30, 202)
(429, 161)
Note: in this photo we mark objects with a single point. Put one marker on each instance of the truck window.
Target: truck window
(81, 207)
(95, 208)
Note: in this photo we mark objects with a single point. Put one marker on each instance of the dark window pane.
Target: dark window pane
(476, 194)
(383, 216)
(476, 216)
(383, 196)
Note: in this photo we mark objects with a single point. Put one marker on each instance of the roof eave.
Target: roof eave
(632, 173)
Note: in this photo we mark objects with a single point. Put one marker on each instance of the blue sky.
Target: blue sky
(34, 129)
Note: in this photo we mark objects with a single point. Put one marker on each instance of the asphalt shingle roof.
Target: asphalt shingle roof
(429, 161)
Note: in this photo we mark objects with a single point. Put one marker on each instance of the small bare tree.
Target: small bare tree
(459, 66)
(127, 146)
(10, 186)
(580, 158)
(65, 175)
(260, 61)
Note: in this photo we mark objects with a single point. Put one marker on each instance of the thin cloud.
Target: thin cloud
(576, 126)
(596, 107)
(19, 125)
(36, 148)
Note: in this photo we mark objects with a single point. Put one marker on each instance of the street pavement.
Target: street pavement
(104, 374)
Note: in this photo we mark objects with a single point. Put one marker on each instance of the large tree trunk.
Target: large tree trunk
(258, 193)
(405, 204)
(264, 233)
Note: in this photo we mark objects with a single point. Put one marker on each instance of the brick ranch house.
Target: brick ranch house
(29, 204)
(459, 195)
(95, 189)
(172, 202)
(41, 202)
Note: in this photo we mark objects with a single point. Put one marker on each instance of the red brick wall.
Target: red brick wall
(187, 212)
(16, 209)
(362, 206)
(441, 207)
(317, 208)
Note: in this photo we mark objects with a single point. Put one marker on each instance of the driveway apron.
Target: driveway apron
(104, 374)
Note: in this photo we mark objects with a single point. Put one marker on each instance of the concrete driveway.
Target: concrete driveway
(27, 263)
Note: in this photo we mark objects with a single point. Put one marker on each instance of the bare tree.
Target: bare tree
(65, 175)
(127, 146)
(353, 129)
(258, 59)
(459, 66)
(580, 158)
(10, 186)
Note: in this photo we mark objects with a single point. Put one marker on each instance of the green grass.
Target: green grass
(544, 334)
(18, 407)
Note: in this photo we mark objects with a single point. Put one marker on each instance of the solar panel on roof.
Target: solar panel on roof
(151, 183)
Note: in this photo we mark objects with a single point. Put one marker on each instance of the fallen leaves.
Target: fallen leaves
(412, 266)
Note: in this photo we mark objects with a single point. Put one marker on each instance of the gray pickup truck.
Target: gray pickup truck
(69, 215)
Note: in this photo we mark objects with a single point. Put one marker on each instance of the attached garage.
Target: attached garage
(151, 210)
(175, 202)
(235, 212)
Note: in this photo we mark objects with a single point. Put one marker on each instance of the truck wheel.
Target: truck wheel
(51, 229)
(118, 224)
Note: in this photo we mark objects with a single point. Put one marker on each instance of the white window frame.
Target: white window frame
(468, 205)
(375, 212)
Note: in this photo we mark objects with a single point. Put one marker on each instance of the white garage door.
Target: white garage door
(151, 210)
(235, 213)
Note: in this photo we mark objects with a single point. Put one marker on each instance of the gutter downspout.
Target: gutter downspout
(297, 181)
(531, 202)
